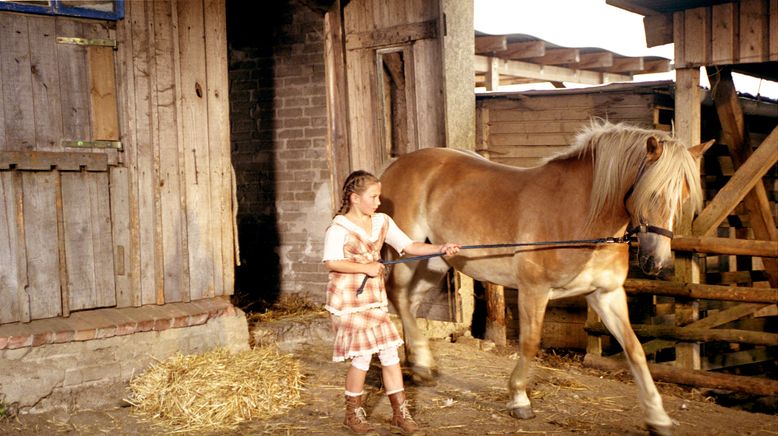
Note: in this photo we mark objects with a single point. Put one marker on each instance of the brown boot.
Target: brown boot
(401, 416)
(356, 418)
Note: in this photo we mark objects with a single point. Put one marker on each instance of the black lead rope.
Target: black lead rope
(609, 240)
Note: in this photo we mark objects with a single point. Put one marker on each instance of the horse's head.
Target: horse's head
(667, 178)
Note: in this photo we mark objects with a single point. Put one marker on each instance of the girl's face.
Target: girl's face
(368, 201)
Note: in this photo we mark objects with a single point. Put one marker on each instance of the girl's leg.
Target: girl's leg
(356, 418)
(393, 385)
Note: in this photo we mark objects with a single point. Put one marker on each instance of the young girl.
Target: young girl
(352, 249)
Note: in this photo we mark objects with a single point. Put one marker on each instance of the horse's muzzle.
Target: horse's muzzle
(650, 266)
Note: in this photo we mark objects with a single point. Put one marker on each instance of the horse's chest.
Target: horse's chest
(600, 272)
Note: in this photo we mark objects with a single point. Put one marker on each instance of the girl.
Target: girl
(352, 249)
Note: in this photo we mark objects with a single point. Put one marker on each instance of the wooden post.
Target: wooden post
(465, 295)
(687, 129)
(495, 314)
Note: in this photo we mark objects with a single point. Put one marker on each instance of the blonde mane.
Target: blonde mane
(618, 153)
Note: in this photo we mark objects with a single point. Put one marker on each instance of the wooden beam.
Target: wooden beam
(740, 358)
(724, 28)
(337, 145)
(701, 291)
(490, 43)
(738, 186)
(548, 73)
(600, 59)
(686, 334)
(654, 66)
(627, 65)
(658, 29)
(558, 56)
(712, 245)
(735, 136)
(713, 380)
(493, 75)
(524, 50)
(495, 314)
(393, 35)
(687, 125)
(714, 320)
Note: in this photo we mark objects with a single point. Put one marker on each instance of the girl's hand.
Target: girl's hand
(450, 249)
(374, 269)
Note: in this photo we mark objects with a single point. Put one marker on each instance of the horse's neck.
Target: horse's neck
(579, 171)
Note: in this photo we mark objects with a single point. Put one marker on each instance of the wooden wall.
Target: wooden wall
(148, 223)
(742, 32)
(523, 129)
(412, 26)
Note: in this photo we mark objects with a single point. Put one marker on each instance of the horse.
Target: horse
(613, 176)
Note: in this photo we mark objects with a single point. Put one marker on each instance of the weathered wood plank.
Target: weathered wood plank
(121, 232)
(102, 239)
(165, 128)
(74, 85)
(697, 35)
(45, 83)
(13, 272)
(194, 136)
(724, 34)
(495, 314)
(753, 31)
(219, 143)
(149, 255)
(701, 291)
(47, 160)
(102, 92)
(40, 237)
(128, 288)
(739, 185)
(395, 35)
(79, 249)
(17, 92)
(773, 25)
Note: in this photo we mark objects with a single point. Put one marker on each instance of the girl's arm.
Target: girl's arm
(421, 249)
(346, 266)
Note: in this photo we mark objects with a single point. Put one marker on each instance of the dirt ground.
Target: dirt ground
(468, 398)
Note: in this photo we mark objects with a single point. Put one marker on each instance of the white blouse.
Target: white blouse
(335, 237)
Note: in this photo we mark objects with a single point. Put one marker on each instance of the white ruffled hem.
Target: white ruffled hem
(336, 312)
(375, 350)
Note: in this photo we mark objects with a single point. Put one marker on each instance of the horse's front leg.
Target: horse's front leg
(532, 309)
(611, 306)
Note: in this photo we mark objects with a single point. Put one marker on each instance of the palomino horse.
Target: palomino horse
(613, 176)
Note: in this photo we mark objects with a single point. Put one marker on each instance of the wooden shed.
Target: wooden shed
(116, 189)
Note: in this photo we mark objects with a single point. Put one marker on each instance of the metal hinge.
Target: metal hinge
(86, 41)
(91, 144)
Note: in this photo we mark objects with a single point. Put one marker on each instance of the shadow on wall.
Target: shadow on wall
(253, 31)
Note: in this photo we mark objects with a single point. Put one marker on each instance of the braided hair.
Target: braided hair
(356, 183)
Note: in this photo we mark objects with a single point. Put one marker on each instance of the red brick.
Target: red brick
(3, 342)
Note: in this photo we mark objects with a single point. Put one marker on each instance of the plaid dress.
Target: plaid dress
(361, 322)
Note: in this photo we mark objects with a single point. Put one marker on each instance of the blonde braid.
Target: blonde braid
(356, 183)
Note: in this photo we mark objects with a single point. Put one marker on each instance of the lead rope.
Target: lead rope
(609, 240)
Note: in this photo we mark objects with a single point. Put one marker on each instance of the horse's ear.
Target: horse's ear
(654, 148)
(698, 150)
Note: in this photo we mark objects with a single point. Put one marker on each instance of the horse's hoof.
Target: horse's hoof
(523, 412)
(660, 430)
(423, 376)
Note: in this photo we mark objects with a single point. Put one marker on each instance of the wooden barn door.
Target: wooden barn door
(58, 167)
(393, 78)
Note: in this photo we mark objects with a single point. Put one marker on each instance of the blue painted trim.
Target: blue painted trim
(56, 8)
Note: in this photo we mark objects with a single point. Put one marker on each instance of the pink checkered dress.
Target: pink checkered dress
(361, 322)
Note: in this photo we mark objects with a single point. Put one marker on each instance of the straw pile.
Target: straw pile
(217, 390)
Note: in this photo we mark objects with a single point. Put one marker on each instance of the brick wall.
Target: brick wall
(278, 121)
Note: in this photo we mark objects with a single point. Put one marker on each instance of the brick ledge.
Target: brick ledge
(109, 322)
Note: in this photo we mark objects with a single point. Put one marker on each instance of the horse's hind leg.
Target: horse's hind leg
(532, 308)
(406, 288)
(611, 306)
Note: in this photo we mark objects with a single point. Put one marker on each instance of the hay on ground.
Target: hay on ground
(217, 390)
